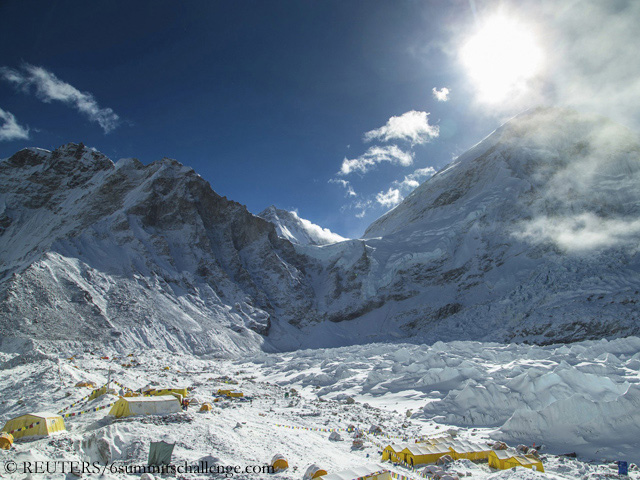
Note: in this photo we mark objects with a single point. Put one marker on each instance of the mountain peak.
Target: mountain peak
(298, 230)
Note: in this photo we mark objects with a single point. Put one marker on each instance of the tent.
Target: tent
(35, 425)
(206, 407)
(422, 453)
(161, 405)
(86, 384)
(393, 452)
(503, 460)
(370, 471)
(469, 450)
(230, 393)
(279, 463)
(98, 392)
(160, 453)
(167, 391)
(6, 440)
(314, 471)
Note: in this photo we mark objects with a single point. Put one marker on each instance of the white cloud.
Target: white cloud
(411, 126)
(582, 232)
(441, 95)
(322, 235)
(375, 155)
(413, 180)
(390, 198)
(50, 88)
(10, 129)
(345, 183)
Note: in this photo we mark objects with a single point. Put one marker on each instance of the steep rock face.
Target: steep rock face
(137, 254)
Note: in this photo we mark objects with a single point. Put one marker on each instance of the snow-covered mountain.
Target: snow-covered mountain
(532, 235)
(299, 230)
(137, 255)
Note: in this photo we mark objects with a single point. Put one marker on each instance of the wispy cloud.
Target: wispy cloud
(441, 95)
(375, 155)
(346, 184)
(411, 126)
(50, 88)
(10, 129)
(390, 198)
(582, 232)
(413, 180)
(399, 188)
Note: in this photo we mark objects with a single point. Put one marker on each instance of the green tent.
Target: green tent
(160, 453)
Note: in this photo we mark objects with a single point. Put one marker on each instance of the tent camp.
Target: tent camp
(471, 451)
(423, 453)
(503, 460)
(39, 424)
(161, 405)
(370, 471)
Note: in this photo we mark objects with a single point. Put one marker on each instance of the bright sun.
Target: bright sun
(500, 58)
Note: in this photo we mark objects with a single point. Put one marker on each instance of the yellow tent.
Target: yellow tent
(470, 451)
(422, 453)
(369, 471)
(206, 407)
(86, 384)
(314, 471)
(155, 405)
(230, 393)
(34, 425)
(98, 392)
(393, 452)
(167, 391)
(279, 463)
(503, 460)
(6, 440)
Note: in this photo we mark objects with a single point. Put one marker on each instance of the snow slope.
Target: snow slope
(299, 230)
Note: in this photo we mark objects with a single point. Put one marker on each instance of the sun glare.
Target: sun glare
(500, 58)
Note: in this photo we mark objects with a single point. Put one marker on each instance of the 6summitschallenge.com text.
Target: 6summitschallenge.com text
(68, 466)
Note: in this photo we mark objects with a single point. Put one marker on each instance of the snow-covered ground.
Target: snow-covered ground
(579, 398)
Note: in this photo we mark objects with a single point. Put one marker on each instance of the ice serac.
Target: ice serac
(137, 255)
(299, 230)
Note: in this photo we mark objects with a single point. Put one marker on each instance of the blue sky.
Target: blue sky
(284, 102)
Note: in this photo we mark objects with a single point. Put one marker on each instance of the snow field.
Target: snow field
(436, 383)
